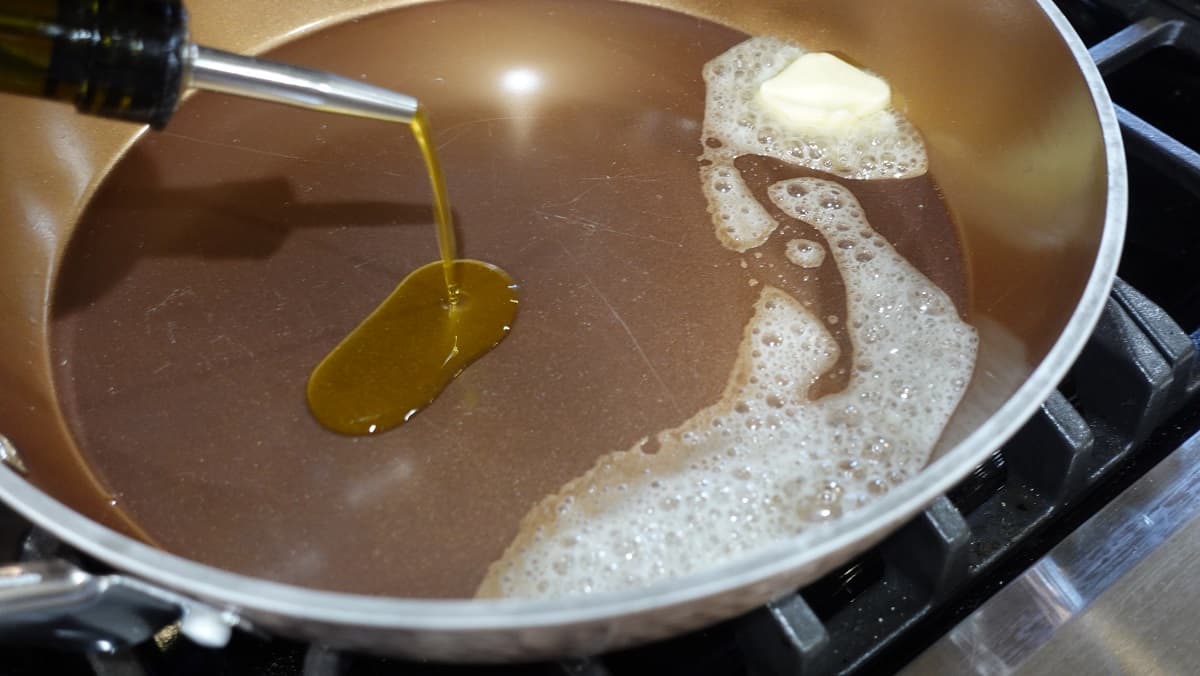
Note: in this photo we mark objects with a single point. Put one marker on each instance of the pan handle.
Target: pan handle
(54, 600)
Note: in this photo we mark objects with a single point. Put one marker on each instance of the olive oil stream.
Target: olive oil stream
(441, 317)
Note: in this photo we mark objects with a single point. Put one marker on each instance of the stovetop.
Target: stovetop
(1113, 597)
(1127, 408)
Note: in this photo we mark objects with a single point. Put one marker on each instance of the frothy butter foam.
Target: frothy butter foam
(765, 462)
(747, 113)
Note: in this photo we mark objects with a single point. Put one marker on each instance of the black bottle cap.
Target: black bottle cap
(122, 58)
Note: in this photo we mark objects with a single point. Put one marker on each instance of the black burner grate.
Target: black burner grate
(880, 610)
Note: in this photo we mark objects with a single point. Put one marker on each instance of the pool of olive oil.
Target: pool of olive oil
(441, 317)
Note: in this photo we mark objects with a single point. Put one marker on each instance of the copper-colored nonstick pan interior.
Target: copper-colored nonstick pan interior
(215, 263)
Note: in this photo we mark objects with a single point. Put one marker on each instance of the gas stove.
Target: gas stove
(1065, 550)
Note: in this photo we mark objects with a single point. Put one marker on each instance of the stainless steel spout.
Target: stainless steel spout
(219, 71)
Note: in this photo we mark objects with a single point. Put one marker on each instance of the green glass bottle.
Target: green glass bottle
(115, 58)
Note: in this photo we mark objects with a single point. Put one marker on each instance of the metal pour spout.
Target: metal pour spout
(219, 71)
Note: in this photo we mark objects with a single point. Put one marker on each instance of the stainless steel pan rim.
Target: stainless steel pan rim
(253, 596)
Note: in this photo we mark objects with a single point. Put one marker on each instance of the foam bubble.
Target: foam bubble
(765, 462)
(805, 253)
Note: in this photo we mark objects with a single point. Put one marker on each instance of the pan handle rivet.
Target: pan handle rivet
(10, 457)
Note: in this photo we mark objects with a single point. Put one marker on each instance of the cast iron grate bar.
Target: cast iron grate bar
(582, 667)
(1160, 151)
(1147, 40)
(1134, 41)
(1178, 348)
(1056, 450)
(1122, 380)
(785, 637)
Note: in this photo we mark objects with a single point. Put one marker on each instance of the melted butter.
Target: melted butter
(440, 318)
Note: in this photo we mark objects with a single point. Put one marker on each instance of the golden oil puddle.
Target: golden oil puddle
(441, 317)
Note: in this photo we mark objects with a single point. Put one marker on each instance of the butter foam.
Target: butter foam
(765, 462)
(736, 122)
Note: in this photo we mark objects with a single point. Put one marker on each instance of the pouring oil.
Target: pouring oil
(440, 318)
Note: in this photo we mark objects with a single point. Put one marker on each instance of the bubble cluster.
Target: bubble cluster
(742, 223)
(765, 462)
(884, 145)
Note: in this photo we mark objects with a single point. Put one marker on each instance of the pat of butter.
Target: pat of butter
(821, 90)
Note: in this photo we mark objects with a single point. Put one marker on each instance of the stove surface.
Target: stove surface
(1113, 597)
